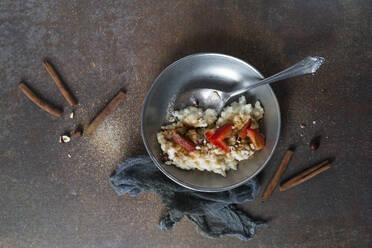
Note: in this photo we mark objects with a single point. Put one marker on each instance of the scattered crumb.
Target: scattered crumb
(69, 155)
(301, 135)
(326, 137)
(72, 115)
(65, 139)
(302, 126)
(314, 144)
(314, 122)
(78, 133)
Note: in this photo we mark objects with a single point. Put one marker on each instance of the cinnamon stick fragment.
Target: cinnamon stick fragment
(305, 175)
(105, 112)
(278, 174)
(61, 86)
(38, 101)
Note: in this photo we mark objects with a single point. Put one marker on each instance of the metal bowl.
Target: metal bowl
(208, 70)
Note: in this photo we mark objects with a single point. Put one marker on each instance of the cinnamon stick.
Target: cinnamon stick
(38, 101)
(278, 174)
(105, 112)
(61, 86)
(305, 175)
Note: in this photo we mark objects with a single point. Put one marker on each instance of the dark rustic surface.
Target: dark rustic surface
(50, 200)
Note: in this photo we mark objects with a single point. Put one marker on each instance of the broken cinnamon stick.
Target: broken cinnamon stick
(278, 174)
(38, 101)
(305, 175)
(61, 86)
(105, 112)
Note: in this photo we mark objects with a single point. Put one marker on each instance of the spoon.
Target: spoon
(216, 99)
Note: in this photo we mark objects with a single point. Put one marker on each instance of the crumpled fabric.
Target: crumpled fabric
(215, 214)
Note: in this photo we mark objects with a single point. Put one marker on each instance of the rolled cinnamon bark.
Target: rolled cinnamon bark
(38, 101)
(278, 174)
(105, 112)
(61, 86)
(305, 175)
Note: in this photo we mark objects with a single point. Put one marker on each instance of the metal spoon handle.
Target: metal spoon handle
(306, 66)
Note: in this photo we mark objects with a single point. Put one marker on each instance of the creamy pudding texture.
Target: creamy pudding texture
(193, 123)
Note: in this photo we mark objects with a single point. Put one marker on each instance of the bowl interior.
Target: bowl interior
(208, 71)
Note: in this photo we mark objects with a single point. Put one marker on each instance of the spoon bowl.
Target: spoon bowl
(204, 98)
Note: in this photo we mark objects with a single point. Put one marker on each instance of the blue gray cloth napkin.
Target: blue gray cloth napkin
(215, 214)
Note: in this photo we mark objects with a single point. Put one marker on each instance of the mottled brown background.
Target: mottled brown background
(50, 200)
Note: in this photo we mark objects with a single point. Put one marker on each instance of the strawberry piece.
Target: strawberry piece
(222, 132)
(218, 138)
(257, 139)
(221, 144)
(209, 134)
(182, 141)
(243, 132)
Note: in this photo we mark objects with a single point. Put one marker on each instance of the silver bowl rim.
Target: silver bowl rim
(178, 181)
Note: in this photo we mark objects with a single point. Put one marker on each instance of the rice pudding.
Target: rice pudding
(199, 139)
